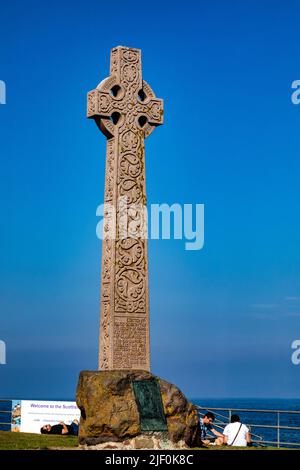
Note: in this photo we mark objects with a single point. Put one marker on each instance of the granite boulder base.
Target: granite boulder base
(110, 413)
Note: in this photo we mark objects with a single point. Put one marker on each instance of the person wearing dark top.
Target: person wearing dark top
(205, 425)
(61, 428)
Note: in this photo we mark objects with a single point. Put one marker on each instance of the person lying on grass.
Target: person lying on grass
(61, 428)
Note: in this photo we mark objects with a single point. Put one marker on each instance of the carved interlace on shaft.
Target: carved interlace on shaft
(127, 111)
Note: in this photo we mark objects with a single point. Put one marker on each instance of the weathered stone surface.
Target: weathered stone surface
(126, 111)
(159, 442)
(182, 417)
(110, 446)
(144, 442)
(109, 412)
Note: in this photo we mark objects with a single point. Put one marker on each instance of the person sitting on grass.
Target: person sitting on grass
(236, 433)
(61, 428)
(205, 425)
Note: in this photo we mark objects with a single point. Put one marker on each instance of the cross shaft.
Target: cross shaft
(127, 111)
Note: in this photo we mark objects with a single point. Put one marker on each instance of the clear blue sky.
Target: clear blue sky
(223, 318)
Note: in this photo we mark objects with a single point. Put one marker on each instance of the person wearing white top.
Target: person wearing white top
(236, 433)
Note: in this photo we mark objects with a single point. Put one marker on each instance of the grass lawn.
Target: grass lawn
(27, 441)
(21, 441)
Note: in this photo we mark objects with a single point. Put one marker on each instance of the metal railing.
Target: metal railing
(4, 413)
(222, 420)
(258, 440)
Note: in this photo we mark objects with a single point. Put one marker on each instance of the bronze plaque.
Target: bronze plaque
(150, 406)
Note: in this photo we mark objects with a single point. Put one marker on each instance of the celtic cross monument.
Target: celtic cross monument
(126, 111)
(123, 403)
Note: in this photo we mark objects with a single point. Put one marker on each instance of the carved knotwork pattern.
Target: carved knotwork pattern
(92, 103)
(105, 324)
(114, 62)
(130, 273)
(130, 293)
(124, 292)
(107, 263)
(109, 174)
